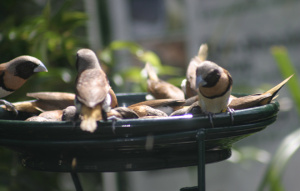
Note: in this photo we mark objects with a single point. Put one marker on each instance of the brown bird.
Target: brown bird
(92, 100)
(193, 109)
(145, 110)
(161, 89)
(45, 101)
(114, 100)
(37, 118)
(235, 103)
(257, 99)
(15, 73)
(69, 114)
(54, 115)
(122, 113)
(189, 84)
(166, 105)
(214, 85)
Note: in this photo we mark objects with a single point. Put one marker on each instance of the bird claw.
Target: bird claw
(114, 119)
(210, 116)
(231, 112)
(9, 106)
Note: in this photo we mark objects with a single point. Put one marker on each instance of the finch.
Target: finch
(165, 105)
(14, 73)
(214, 85)
(188, 84)
(257, 99)
(161, 89)
(92, 99)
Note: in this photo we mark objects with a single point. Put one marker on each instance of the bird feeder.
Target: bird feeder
(132, 144)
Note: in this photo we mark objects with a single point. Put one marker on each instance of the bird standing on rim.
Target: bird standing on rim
(93, 99)
(15, 73)
(214, 85)
(161, 89)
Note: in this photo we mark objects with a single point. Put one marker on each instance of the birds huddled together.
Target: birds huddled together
(205, 91)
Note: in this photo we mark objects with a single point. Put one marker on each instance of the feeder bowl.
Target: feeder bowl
(129, 144)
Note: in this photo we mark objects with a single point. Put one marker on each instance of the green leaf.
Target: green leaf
(134, 48)
(47, 11)
(275, 170)
(150, 57)
(133, 74)
(287, 68)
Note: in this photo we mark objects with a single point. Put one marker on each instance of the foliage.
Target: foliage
(287, 68)
(53, 35)
(133, 73)
(291, 144)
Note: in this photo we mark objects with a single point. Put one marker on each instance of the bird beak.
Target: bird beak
(200, 81)
(40, 68)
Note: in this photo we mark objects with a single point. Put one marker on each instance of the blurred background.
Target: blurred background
(127, 33)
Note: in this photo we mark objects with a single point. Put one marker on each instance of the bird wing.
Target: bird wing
(164, 90)
(92, 87)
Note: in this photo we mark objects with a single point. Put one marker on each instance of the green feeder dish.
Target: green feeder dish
(130, 144)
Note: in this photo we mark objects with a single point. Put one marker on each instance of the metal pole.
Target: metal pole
(93, 24)
(76, 181)
(201, 159)
(200, 138)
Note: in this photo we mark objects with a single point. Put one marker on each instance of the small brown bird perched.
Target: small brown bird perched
(45, 101)
(257, 99)
(236, 103)
(145, 110)
(188, 85)
(15, 73)
(166, 105)
(93, 92)
(214, 85)
(161, 89)
(122, 113)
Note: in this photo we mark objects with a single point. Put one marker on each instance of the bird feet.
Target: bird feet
(9, 106)
(210, 117)
(231, 112)
(114, 119)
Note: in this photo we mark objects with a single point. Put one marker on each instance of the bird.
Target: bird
(14, 73)
(122, 113)
(37, 119)
(254, 100)
(193, 109)
(45, 101)
(167, 106)
(161, 89)
(235, 103)
(214, 85)
(54, 115)
(114, 100)
(188, 85)
(92, 88)
(69, 114)
(145, 110)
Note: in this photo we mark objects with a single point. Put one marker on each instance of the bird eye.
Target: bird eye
(212, 78)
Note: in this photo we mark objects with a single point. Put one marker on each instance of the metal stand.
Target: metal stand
(201, 163)
(76, 181)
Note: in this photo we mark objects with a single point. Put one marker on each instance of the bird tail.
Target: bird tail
(90, 117)
(273, 91)
(151, 72)
(203, 52)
